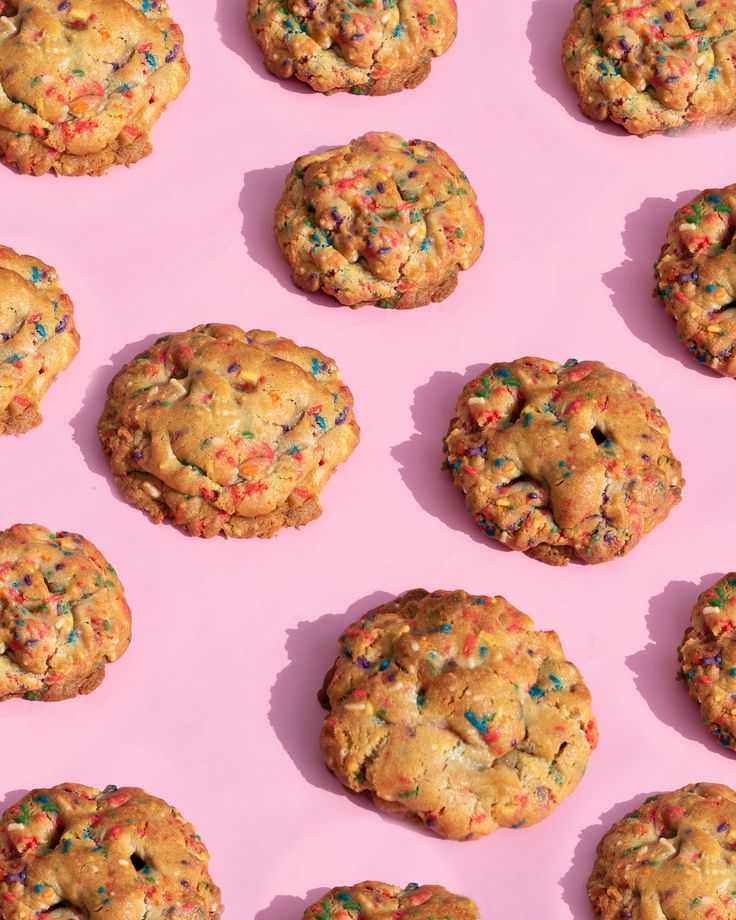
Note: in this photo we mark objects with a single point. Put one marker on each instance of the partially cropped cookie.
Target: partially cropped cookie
(562, 461)
(73, 852)
(225, 431)
(63, 614)
(38, 338)
(708, 658)
(650, 67)
(674, 857)
(369, 48)
(378, 901)
(696, 277)
(83, 81)
(379, 221)
(452, 709)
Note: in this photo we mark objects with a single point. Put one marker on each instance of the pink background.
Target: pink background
(214, 705)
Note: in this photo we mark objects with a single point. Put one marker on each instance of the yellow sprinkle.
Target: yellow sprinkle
(503, 502)
(76, 12)
(248, 376)
(694, 314)
(713, 328)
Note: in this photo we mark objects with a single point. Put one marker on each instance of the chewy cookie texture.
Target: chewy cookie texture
(83, 81)
(378, 901)
(452, 709)
(63, 614)
(674, 857)
(379, 221)
(708, 658)
(696, 278)
(369, 48)
(38, 338)
(562, 461)
(225, 431)
(73, 852)
(653, 66)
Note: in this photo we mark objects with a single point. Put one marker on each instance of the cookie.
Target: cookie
(562, 461)
(225, 431)
(378, 901)
(696, 278)
(83, 81)
(452, 709)
(674, 857)
(73, 852)
(379, 221)
(371, 48)
(63, 614)
(654, 66)
(708, 658)
(38, 338)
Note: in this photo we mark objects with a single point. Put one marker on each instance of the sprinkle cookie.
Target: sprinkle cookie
(452, 709)
(225, 431)
(653, 66)
(73, 852)
(38, 338)
(708, 658)
(83, 81)
(673, 857)
(562, 461)
(696, 278)
(379, 221)
(377, 901)
(63, 614)
(372, 48)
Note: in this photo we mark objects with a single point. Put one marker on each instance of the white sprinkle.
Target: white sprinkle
(151, 489)
(583, 436)
(59, 623)
(415, 646)
(683, 227)
(710, 610)
(385, 18)
(700, 60)
(15, 827)
(476, 400)
(412, 232)
(355, 707)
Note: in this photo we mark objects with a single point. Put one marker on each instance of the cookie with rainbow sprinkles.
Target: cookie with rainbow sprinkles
(378, 901)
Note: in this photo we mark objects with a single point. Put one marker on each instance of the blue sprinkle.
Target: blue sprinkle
(536, 691)
(150, 58)
(320, 421)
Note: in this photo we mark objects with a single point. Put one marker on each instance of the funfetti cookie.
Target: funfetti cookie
(378, 901)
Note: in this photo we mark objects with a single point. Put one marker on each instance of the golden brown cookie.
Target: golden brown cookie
(653, 66)
(73, 852)
(378, 901)
(379, 221)
(696, 277)
(38, 338)
(562, 461)
(225, 431)
(708, 658)
(83, 81)
(674, 857)
(452, 709)
(63, 614)
(371, 48)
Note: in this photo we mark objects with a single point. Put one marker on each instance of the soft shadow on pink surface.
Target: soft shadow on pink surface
(656, 666)
(286, 907)
(420, 458)
(574, 882)
(547, 25)
(632, 283)
(84, 423)
(10, 798)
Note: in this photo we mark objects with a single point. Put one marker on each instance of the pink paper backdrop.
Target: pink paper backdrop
(214, 705)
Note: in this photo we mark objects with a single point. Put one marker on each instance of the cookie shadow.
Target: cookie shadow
(655, 666)
(632, 283)
(574, 882)
(262, 189)
(546, 28)
(286, 906)
(10, 798)
(420, 457)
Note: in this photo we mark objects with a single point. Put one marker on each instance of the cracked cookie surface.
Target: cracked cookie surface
(73, 852)
(674, 857)
(369, 48)
(83, 81)
(708, 659)
(452, 709)
(562, 461)
(63, 614)
(38, 338)
(226, 431)
(378, 901)
(696, 277)
(379, 221)
(653, 66)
